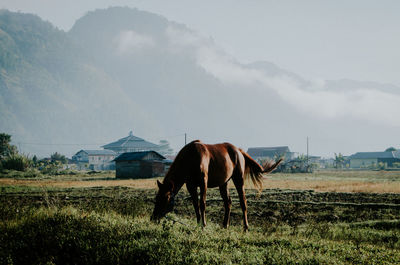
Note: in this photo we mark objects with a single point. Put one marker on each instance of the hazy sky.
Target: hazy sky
(318, 40)
(355, 39)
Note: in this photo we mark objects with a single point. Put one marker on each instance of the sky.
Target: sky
(341, 39)
(318, 40)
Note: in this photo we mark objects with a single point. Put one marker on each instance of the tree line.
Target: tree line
(12, 159)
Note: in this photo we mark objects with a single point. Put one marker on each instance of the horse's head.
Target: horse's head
(164, 200)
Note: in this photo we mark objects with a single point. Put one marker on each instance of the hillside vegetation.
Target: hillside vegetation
(123, 69)
(51, 92)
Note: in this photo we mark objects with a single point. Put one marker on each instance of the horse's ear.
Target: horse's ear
(159, 184)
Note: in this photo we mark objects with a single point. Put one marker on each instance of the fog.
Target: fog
(327, 71)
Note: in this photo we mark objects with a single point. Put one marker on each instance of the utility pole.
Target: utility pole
(307, 151)
(185, 138)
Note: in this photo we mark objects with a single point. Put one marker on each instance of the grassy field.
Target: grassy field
(335, 181)
(297, 219)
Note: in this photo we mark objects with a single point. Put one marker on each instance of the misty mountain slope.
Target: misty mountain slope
(50, 91)
(161, 63)
(202, 90)
(120, 69)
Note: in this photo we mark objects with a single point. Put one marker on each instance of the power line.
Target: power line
(50, 144)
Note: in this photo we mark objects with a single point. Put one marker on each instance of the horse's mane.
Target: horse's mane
(179, 161)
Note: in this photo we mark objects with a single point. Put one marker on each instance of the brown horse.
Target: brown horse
(208, 166)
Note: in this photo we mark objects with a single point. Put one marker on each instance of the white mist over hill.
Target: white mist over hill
(129, 69)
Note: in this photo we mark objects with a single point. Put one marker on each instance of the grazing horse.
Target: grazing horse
(208, 166)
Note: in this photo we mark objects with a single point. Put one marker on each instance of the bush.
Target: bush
(29, 173)
(396, 164)
(16, 162)
(382, 166)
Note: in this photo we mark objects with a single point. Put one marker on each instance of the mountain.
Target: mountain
(120, 69)
(51, 93)
(164, 64)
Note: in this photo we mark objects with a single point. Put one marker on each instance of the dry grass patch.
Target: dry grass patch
(134, 183)
(324, 181)
(334, 185)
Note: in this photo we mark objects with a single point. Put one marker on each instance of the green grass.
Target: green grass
(111, 226)
(71, 236)
(36, 174)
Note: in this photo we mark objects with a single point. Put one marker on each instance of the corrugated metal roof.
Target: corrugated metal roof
(131, 156)
(373, 155)
(268, 151)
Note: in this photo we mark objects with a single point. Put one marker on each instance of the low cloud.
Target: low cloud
(129, 41)
(368, 104)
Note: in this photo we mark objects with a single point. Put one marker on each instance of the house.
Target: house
(131, 143)
(314, 159)
(94, 159)
(147, 164)
(260, 153)
(368, 159)
(327, 162)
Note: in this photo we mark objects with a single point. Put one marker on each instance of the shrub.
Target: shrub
(29, 173)
(396, 164)
(382, 166)
(16, 162)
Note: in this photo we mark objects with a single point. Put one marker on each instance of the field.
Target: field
(325, 217)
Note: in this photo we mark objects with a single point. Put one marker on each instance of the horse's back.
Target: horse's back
(218, 161)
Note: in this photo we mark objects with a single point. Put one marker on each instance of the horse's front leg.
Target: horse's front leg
(203, 196)
(195, 199)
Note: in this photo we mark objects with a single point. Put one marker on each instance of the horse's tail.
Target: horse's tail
(255, 170)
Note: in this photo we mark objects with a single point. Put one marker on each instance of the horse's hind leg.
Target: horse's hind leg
(195, 199)
(203, 195)
(227, 202)
(239, 184)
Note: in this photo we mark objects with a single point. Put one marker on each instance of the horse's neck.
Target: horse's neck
(176, 178)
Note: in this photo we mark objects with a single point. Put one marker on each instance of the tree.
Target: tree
(6, 149)
(16, 162)
(390, 149)
(165, 149)
(339, 160)
(58, 157)
(34, 159)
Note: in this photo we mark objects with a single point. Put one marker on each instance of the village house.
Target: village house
(147, 164)
(94, 159)
(261, 153)
(131, 143)
(368, 159)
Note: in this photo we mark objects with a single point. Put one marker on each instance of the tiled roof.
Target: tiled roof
(131, 141)
(136, 156)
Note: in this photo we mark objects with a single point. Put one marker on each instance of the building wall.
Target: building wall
(101, 162)
(94, 162)
(359, 163)
(100, 159)
(139, 169)
(81, 157)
